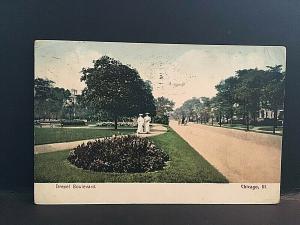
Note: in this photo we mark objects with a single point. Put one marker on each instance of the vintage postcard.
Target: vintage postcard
(119, 123)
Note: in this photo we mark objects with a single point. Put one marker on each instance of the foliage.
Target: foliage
(273, 91)
(190, 108)
(126, 154)
(266, 122)
(163, 119)
(205, 111)
(111, 124)
(248, 92)
(240, 96)
(226, 93)
(190, 105)
(48, 100)
(73, 123)
(163, 106)
(116, 89)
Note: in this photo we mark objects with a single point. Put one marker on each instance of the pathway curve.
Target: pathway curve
(156, 129)
(243, 157)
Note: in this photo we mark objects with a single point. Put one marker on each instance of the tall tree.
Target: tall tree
(116, 89)
(273, 92)
(248, 92)
(42, 92)
(190, 106)
(207, 108)
(163, 106)
(215, 109)
(218, 108)
(227, 92)
(57, 99)
(48, 100)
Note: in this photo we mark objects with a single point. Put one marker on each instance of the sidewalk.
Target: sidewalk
(156, 129)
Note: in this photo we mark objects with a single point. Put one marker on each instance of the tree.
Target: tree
(204, 110)
(191, 106)
(227, 92)
(48, 100)
(163, 106)
(248, 92)
(83, 109)
(42, 91)
(273, 92)
(177, 113)
(116, 89)
(217, 108)
(57, 99)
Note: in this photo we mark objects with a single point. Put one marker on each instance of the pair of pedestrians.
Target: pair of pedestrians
(143, 124)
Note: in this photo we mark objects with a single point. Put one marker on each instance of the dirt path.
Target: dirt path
(156, 129)
(240, 156)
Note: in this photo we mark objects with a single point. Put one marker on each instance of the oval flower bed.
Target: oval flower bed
(125, 154)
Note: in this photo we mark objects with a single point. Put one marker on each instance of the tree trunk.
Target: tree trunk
(244, 112)
(247, 122)
(275, 121)
(116, 122)
(220, 120)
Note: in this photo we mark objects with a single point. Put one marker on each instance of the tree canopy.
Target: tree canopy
(116, 89)
(48, 100)
(242, 95)
(163, 106)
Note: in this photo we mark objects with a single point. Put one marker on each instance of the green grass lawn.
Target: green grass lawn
(238, 126)
(269, 128)
(56, 135)
(185, 166)
(259, 129)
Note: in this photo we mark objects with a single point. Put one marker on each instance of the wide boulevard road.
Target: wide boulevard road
(243, 157)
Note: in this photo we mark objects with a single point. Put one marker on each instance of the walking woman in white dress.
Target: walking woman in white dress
(147, 120)
(140, 122)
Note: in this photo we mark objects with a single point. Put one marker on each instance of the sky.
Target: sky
(177, 71)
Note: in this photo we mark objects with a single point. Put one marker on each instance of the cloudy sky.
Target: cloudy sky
(177, 71)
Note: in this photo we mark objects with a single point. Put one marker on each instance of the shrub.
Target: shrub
(120, 124)
(105, 124)
(268, 122)
(73, 123)
(164, 119)
(238, 121)
(123, 154)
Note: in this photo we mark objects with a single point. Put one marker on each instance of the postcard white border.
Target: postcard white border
(156, 193)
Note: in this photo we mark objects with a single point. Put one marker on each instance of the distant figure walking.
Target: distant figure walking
(179, 121)
(140, 122)
(182, 119)
(186, 121)
(147, 120)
